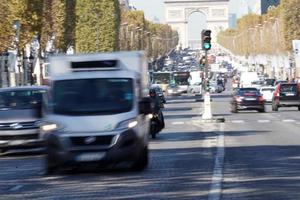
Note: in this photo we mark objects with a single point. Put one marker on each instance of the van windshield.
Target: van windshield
(92, 96)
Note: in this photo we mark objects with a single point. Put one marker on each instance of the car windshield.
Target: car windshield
(92, 96)
(248, 92)
(20, 99)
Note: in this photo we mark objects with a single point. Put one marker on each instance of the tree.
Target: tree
(6, 32)
(97, 27)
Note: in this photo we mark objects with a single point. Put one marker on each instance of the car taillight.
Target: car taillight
(261, 98)
(239, 99)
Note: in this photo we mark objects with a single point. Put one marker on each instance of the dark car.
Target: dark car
(247, 99)
(20, 112)
(286, 95)
(270, 82)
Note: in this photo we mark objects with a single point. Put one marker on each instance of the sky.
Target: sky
(155, 9)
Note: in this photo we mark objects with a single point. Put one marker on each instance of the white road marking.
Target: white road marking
(15, 188)
(177, 123)
(215, 191)
(238, 121)
(263, 121)
(288, 120)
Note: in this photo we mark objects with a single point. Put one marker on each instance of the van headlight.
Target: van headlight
(49, 127)
(127, 124)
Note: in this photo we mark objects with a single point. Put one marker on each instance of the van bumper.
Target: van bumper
(63, 152)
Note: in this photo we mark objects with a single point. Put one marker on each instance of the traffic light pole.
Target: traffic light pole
(207, 114)
(206, 69)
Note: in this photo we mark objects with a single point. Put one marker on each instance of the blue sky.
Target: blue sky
(156, 9)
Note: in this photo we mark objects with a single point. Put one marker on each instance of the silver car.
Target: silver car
(20, 112)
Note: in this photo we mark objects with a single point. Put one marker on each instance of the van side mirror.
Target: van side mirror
(146, 105)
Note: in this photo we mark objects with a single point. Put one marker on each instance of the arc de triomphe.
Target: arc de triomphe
(178, 12)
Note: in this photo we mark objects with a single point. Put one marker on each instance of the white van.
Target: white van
(97, 111)
(248, 78)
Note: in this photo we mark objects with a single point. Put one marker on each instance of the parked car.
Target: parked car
(267, 93)
(20, 112)
(286, 95)
(174, 90)
(247, 99)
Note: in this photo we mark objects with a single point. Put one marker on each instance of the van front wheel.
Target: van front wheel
(142, 162)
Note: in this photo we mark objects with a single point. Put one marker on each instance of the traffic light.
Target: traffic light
(206, 39)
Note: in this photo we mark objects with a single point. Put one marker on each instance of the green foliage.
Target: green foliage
(137, 33)
(6, 31)
(271, 33)
(97, 27)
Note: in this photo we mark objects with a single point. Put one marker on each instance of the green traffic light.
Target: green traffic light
(207, 46)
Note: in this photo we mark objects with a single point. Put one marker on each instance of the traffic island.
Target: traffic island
(207, 116)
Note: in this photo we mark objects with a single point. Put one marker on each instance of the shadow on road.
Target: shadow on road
(262, 172)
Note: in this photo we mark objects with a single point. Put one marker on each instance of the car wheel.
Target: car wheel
(274, 107)
(262, 110)
(142, 162)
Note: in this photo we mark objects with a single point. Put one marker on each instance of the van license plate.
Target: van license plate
(88, 157)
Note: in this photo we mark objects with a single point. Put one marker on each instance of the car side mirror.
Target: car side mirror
(146, 105)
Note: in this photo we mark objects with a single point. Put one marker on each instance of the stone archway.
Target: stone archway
(178, 12)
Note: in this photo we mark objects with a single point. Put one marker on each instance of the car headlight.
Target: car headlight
(127, 124)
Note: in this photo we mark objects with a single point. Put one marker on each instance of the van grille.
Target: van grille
(92, 140)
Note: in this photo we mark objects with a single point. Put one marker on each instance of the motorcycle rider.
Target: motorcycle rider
(157, 107)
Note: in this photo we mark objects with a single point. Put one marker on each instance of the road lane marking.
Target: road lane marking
(238, 121)
(16, 188)
(177, 123)
(263, 121)
(288, 120)
(216, 183)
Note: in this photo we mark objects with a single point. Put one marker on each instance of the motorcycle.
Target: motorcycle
(155, 125)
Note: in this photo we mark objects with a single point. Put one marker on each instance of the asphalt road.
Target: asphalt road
(250, 156)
